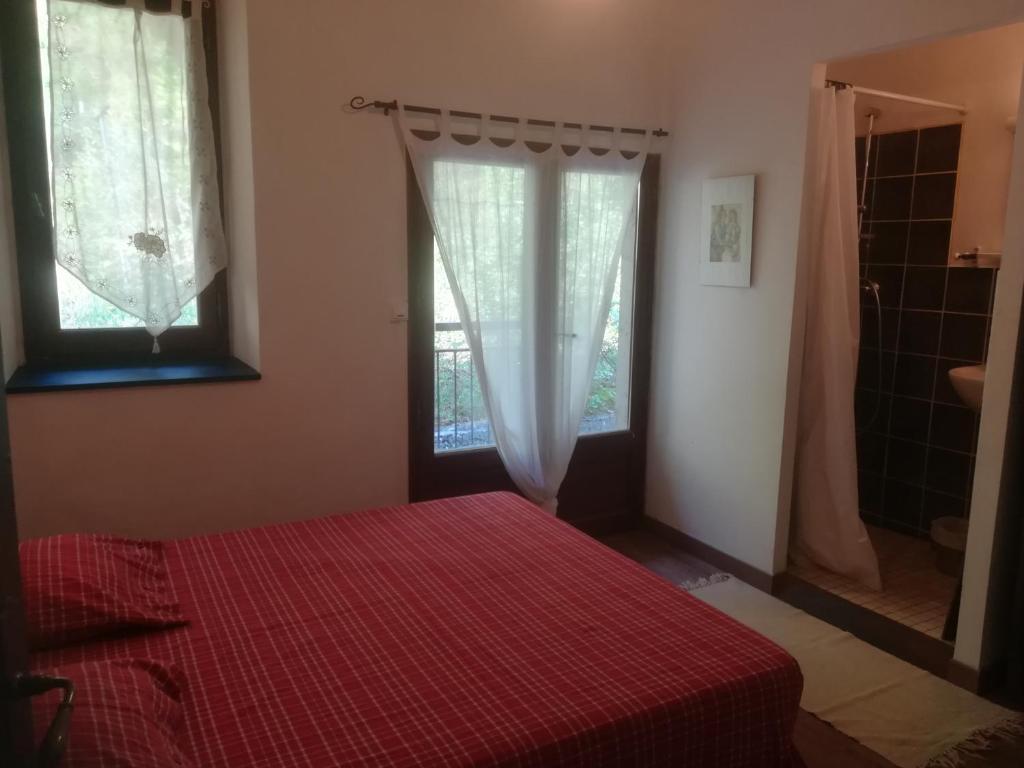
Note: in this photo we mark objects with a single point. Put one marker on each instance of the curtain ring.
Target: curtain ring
(559, 132)
(400, 119)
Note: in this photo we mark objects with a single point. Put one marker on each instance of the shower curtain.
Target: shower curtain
(828, 528)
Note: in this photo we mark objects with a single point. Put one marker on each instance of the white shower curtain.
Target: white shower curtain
(828, 528)
(531, 243)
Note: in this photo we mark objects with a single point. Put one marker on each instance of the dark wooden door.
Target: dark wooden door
(603, 489)
(15, 728)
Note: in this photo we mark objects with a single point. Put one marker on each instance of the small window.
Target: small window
(67, 322)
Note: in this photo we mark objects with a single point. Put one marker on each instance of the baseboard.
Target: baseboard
(988, 682)
(716, 557)
(604, 525)
(962, 675)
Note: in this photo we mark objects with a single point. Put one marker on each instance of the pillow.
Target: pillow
(78, 587)
(127, 713)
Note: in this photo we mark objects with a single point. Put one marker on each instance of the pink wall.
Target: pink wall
(325, 430)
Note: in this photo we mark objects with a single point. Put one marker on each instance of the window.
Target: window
(460, 417)
(451, 449)
(66, 321)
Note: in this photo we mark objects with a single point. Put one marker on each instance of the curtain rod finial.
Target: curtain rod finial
(357, 103)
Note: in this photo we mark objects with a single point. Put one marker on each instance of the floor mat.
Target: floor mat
(906, 715)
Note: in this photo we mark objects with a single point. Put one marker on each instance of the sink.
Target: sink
(969, 383)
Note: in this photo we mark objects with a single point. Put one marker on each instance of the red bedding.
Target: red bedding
(466, 632)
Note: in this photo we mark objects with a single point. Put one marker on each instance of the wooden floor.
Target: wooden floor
(664, 558)
(820, 745)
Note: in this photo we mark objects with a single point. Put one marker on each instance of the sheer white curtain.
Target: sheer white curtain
(136, 206)
(531, 243)
(828, 529)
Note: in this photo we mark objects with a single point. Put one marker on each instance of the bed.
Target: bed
(476, 631)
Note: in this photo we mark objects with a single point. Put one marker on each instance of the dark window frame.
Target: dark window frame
(583, 500)
(46, 343)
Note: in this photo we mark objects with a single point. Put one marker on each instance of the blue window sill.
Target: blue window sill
(28, 379)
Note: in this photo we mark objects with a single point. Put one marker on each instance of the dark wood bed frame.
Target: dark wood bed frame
(16, 727)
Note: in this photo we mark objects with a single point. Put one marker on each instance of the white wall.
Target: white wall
(981, 72)
(325, 430)
(239, 190)
(721, 450)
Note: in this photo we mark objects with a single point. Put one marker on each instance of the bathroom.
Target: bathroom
(935, 126)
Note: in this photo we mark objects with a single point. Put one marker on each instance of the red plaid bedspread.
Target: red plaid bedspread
(466, 632)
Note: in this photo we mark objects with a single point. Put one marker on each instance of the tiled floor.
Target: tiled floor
(914, 592)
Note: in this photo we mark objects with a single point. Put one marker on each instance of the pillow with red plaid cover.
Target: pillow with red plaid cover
(78, 587)
(127, 713)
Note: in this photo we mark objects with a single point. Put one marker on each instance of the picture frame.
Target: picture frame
(726, 231)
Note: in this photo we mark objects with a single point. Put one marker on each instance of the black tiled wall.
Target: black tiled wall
(916, 457)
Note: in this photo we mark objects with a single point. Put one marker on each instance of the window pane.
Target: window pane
(608, 403)
(460, 419)
(79, 307)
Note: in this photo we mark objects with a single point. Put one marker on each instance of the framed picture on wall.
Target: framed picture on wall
(726, 231)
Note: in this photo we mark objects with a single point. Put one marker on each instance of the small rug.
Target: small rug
(906, 715)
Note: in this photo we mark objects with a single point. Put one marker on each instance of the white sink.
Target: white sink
(969, 383)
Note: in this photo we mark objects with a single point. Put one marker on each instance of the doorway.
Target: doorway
(451, 451)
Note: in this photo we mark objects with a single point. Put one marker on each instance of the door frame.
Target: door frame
(979, 645)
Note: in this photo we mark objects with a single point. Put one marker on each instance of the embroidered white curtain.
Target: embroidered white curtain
(828, 529)
(531, 243)
(136, 206)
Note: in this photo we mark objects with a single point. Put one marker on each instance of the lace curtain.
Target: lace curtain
(531, 244)
(135, 198)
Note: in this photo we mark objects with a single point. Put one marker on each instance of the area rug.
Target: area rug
(906, 715)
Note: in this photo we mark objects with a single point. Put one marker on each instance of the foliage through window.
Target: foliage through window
(115, 180)
(80, 307)
(460, 416)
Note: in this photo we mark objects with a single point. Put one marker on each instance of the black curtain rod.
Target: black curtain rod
(358, 103)
(159, 6)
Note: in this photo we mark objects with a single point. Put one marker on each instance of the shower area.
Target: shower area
(902, 311)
